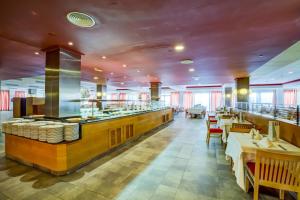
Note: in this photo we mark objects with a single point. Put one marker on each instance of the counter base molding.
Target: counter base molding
(97, 139)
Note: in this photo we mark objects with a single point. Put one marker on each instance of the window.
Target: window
(266, 97)
(166, 99)
(290, 97)
(19, 94)
(187, 100)
(174, 99)
(215, 100)
(253, 97)
(4, 100)
(202, 98)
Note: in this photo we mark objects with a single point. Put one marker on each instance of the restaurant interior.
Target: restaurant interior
(152, 99)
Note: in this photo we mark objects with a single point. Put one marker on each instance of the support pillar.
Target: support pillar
(242, 92)
(228, 96)
(62, 83)
(101, 95)
(155, 90)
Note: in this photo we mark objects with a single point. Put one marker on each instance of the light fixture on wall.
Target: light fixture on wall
(243, 91)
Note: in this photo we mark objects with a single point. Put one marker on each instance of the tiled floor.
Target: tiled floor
(174, 163)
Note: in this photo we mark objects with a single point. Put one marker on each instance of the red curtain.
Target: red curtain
(215, 100)
(19, 94)
(187, 100)
(122, 96)
(174, 99)
(144, 96)
(114, 96)
(290, 97)
(4, 100)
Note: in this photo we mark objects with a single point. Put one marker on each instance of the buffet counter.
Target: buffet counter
(96, 138)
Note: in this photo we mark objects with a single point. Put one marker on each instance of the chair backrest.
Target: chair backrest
(242, 126)
(277, 169)
(240, 130)
(226, 116)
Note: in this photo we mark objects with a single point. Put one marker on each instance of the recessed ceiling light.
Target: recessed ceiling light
(179, 47)
(96, 78)
(103, 57)
(187, 61)
(98, 70)
(36, 53)
(81, 19)
(124, 65)
(191, 69)
(111, 73)
(291, 72)
(122, 83)
(138, 70)
(70, 43)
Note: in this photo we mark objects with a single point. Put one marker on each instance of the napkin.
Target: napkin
(252, 132)
(257, 135)
(265, 142)
(235, 120)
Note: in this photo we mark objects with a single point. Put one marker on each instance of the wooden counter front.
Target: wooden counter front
(97, 138)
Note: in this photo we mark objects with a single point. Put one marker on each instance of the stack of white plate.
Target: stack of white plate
(55, 133)
(4, 127)
(20, 129)
(14, 128)
(43, 133)
(71, 131)
(27, 120)
(26, 130)
(34, 130)
(7, 126)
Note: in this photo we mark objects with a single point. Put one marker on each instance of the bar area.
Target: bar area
(150, 100)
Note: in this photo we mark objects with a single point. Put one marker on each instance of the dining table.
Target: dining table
(241, 148)
(226, 124)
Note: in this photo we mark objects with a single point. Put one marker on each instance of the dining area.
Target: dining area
(261, 151)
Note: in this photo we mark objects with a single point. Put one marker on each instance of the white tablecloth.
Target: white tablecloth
(241, 149)
(226, 125)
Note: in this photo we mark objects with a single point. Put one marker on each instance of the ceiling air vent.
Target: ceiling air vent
(81, 19)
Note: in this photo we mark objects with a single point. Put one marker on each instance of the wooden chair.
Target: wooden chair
(279, 170)
(241, 128)
(226, 116)
(213, 132)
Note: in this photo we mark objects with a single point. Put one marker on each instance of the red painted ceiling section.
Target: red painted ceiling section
(224, 38)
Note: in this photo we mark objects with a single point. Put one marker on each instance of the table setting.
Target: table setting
(241, 148)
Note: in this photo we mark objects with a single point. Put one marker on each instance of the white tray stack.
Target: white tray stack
(71, 131)
(55, 133)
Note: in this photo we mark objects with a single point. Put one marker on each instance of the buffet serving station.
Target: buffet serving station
(97, 135)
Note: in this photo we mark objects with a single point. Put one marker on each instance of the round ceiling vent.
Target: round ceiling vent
(81, 19)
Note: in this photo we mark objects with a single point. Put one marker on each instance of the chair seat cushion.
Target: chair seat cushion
(251, 167)
(215, 130)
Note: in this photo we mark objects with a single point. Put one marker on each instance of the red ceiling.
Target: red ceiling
(224, 38)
